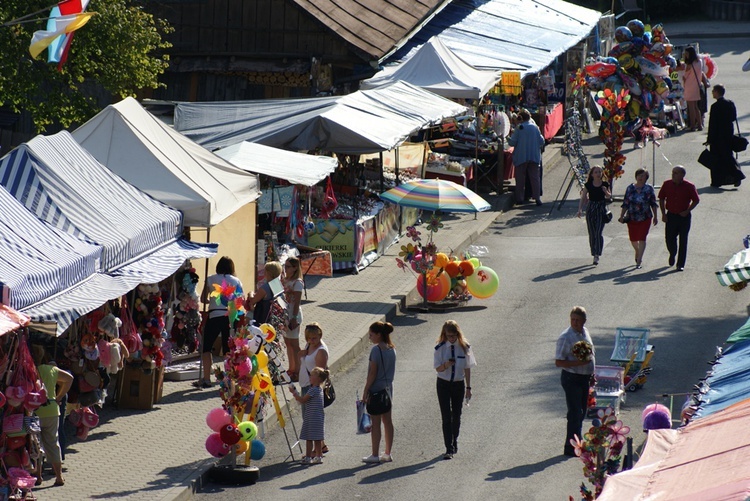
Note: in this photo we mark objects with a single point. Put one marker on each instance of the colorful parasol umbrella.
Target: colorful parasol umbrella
(436, 195)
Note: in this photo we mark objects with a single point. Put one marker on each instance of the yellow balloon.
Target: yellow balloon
(242, 447)
(262, 357)
(441, 259)
(269, 332)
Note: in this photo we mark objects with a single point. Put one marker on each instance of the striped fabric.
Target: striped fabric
(163, 262)
(64, 185)
(736, 270)
(66, 307)
(37, 260)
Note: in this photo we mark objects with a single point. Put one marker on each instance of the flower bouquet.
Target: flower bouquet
(582, 351)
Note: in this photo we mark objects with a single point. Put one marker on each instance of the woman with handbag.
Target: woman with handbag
(378, 393)
(314, 355)
(453, 361)
(594, 197)
(293, 287)
(694, 82)
(724, 167)
(639, 208)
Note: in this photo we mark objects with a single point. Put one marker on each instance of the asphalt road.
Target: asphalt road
(511, 440)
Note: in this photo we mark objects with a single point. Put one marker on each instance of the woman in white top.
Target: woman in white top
(218, 315)
(453, 361)
(314, 355)
(293, 287)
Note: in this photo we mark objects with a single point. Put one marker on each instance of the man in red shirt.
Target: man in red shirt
(677, 198)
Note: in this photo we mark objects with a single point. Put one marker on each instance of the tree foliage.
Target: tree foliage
(120, 51)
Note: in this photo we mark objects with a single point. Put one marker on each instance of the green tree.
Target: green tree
(119, 51)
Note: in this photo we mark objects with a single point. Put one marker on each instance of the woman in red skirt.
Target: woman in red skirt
(638, 210)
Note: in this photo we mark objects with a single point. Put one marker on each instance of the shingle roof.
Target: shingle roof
(374, 27)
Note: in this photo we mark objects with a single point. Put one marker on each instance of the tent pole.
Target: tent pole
(476, 149)
(205, 314)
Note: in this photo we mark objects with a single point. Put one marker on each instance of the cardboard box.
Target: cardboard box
(137, 388)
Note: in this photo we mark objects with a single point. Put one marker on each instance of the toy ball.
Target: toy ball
(257, 450)
(441, 260)
(483, 283)
(452, 269)
(623, 34)
(248, 430)
(216, 447)
(262, 358)
(657, 420)
(438, 286)
(242, 447)
(475, 261)
(653, 408)
(217, 419)
(229, 434)
(596, 422)
(466, 268)
(269, 332)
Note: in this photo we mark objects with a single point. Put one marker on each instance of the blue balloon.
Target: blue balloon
(257, 450)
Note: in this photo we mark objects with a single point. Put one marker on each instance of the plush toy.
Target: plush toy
(218, 418)
(216, 447)
(248, 430)
(229, 434)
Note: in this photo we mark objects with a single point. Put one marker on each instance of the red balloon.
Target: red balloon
(438, 286)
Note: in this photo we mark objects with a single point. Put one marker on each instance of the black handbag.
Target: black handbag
(703, 101)
(329, 394)
(707, 159)
(379, 402)
(608, 217)
(739, 143)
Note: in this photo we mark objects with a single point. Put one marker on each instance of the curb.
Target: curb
(354, 347)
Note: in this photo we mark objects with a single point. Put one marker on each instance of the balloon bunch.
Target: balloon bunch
(228, 432)
(442, 276)
(246, 372)
(231, 298)
(631, 82)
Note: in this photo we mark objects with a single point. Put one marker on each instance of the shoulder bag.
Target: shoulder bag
(739, 143)
(703, 102)
(379, 402)
(707, 159)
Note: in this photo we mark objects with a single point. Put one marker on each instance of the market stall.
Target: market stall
(216, 198)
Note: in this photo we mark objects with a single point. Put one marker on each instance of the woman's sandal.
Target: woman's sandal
(325, 449)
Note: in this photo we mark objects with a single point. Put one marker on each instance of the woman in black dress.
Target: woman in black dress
(720, 131)
(594, 197)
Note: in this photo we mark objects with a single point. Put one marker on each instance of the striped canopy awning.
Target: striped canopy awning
(736, 270)
(37, 260)
(114, 235)
(62, 184)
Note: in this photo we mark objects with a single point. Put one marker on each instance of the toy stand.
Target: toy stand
(609, 388)
(294, 429)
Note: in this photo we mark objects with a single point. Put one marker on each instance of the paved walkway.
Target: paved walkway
(158, 454)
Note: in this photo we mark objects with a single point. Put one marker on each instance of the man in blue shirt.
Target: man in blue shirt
(527, 144)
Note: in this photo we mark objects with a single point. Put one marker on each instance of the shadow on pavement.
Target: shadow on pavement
(403, 471)
(563, 273)
(356, 306)
(170, 477)
(524, 470)
(325, 477)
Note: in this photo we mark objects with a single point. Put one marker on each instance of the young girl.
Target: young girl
(313, 416)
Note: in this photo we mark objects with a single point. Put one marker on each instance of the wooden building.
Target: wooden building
(226, 50)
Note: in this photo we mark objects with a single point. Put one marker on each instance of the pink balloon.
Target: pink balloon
(218, 418)
(216, 447)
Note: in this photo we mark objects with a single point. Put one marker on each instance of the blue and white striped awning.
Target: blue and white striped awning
(62, 184)
(37, 260)
(134, 238)
(736, 270)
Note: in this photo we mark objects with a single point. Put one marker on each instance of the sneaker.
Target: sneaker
(386, 458)
(317, 460)
(596, 260)
(202, 383)
(371, 459)
(306, 460)
(448, 455)
(455, 448)
(539, 202)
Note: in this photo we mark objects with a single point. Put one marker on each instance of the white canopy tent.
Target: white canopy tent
(362, 122)
(297, 168)
(173, 169)
(436, 68)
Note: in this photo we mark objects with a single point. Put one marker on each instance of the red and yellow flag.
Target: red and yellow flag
(62, 25)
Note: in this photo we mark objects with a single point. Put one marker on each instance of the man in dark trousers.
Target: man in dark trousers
(677, 199)
(724, 171)
(576, 374)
